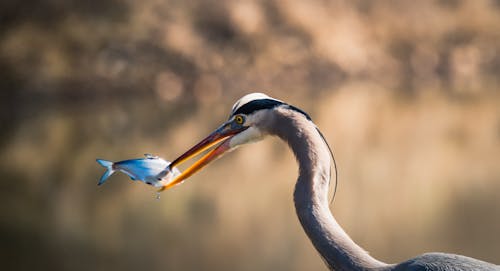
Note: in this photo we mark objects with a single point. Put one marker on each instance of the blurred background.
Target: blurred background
(406, 92)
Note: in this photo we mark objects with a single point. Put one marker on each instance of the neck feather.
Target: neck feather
(311, 194)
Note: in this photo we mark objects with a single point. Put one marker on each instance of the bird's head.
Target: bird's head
(249, 121)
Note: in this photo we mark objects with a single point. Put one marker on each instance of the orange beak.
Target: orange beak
(222, 134)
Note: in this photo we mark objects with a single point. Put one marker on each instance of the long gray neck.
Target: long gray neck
(311, 194)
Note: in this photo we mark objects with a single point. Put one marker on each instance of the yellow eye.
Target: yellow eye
(239, 119)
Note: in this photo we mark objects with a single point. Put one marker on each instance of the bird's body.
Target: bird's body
(257, 115)
(443, 262)
(311, 202)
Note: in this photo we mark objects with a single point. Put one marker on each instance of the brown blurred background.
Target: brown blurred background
(406, 92)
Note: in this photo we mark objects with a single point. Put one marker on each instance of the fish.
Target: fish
(151, 170)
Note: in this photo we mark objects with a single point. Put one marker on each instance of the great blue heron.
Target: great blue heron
(257, 115)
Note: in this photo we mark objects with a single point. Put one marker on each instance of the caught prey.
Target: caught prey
(151, 170)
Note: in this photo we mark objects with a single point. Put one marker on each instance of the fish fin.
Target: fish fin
(109, 166)
(104, 163)
(150, 156)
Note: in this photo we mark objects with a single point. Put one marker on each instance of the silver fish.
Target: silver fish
(151, 170)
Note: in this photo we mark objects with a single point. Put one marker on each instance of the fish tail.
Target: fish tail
(109, 166)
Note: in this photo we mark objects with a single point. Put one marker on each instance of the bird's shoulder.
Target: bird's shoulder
(445, 262)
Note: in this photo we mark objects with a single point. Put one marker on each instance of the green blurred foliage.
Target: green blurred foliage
(407, 93)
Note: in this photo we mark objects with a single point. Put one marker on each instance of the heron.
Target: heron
(257, 115)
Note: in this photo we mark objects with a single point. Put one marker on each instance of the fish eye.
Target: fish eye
(239, 119)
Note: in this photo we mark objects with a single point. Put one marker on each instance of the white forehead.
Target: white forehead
(248, 98)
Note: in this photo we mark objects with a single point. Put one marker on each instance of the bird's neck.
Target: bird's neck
(311, 196)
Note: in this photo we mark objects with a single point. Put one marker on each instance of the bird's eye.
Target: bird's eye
(239, 119)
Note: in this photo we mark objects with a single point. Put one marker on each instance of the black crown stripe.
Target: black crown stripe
(261, 104)
(256, 105)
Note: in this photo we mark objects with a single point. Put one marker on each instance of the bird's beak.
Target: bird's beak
(222, 134)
